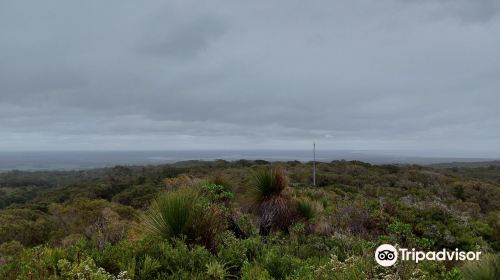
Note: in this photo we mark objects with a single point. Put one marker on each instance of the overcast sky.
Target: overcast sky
(359, 74)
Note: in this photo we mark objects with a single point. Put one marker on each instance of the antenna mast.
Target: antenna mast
(314, 163)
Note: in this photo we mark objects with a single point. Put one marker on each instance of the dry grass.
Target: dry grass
(221, 179)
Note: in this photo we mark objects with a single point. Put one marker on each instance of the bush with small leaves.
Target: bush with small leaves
(87, 269)
(488, 267)
(216, 193)
(253, 271)
(278, 265)
(218, 271)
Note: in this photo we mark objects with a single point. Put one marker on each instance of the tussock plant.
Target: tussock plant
(307, 209)
(269, 182)
(185, 213)
(171, 214)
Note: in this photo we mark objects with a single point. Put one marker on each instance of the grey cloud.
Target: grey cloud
(350, 74)
(465, 10)
(182, 39)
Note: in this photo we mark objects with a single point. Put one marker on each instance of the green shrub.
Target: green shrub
(87, 269)
(253, 271)
(29, 227)
(353, 268)
(218, 271)
(136, 196)
(98, 220)
(216, 193)
(488, 267)
(278, 265)
(232, 252)
(156, 259)
(304, 272)
(149, 267)
(10, 249)
(254, 247)
(178, 258)
(453, 274)
(119, 257)
(221, 179)
(247, 224)
(40, 262)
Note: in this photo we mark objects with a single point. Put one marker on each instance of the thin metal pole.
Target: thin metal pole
(314, 163)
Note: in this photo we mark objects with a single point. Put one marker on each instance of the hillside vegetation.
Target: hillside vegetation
(247, 220)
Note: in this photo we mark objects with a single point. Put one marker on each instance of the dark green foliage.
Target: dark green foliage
(10, 249)
(136, 196)
(232, 252)
(279, 265)
(29, 227)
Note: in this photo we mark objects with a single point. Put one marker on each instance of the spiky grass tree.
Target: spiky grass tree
(171, 214)
(185, 213)
(270, 199)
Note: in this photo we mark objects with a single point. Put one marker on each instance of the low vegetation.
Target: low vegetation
(247, 220)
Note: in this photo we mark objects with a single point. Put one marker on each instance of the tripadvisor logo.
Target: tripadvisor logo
(387, 255)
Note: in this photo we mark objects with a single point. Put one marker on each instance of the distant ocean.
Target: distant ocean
(95, 159)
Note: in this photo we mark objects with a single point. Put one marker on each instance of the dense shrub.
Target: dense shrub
(98, 220)
(278, 265)
(29, 227)
(136, 196)
(488, 267)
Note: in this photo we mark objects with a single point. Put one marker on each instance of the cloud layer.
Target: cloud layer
(388, 74)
